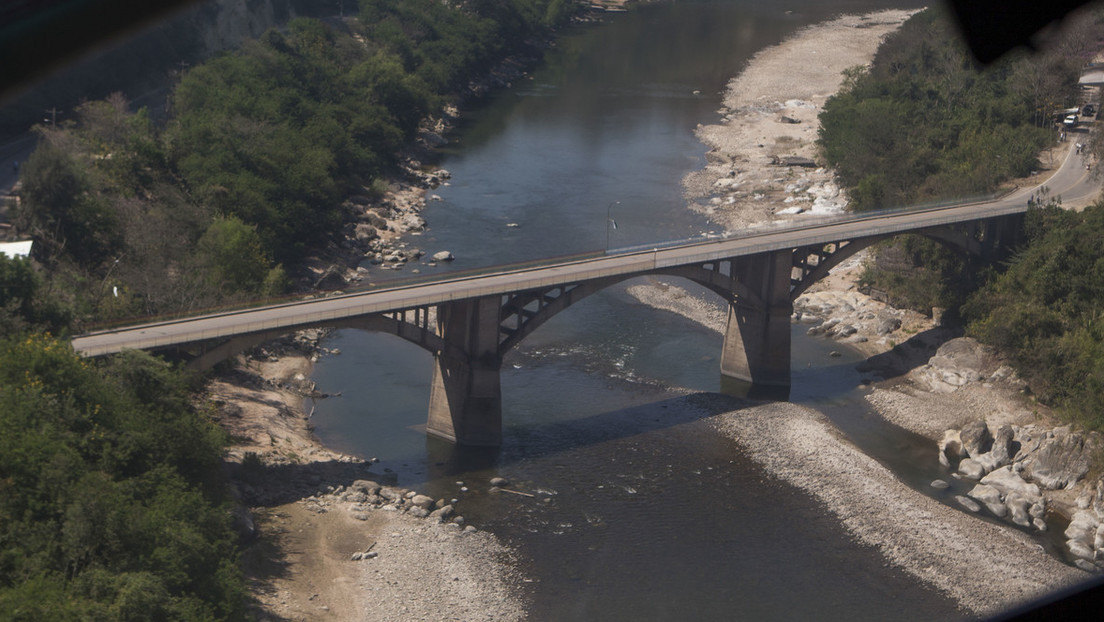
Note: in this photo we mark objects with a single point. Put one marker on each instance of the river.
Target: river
(638, 509)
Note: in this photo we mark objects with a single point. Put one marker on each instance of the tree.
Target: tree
(59, 209)
(23, 305)
(231, 260)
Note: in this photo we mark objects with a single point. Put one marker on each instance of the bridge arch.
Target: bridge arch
(415, 325)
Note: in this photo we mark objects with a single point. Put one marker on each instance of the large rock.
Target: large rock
(442, 514)
(365, 486)
(1081, 534)
(976, 438)
(971, 469)
(887, 323)
(1008, 482)
(991, 497)
(443, 256)
(1002, 445)
(950, 447)
(1060, 461)
(1018, 507)
(968, 503)
(365, 232)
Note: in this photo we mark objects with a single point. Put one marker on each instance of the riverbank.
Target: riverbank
(328, 541)
(761, 158)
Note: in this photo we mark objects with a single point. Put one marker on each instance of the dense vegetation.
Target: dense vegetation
(111, 501)
(262, 146)
(112, 504)
(1045, 310)
(924, 124)
(141, 65)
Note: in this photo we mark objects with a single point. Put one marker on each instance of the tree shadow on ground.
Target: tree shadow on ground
(266, 556)
(265, 560)
(910, 354)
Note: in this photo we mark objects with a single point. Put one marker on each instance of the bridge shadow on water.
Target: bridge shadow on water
(822, 381)
(535, 441)
(827, 381)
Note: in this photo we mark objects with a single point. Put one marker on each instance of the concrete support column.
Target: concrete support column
(755, 361)
(465, 403)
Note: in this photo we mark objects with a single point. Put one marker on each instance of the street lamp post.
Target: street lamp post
(610, 221)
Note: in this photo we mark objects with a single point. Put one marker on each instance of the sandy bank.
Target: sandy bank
(985, 567)
(300, 566)
(422, 570)
(770, 113)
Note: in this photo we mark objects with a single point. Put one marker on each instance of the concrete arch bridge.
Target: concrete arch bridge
(470, 322)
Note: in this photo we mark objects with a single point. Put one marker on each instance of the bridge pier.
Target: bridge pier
(465, 403)
(755, 359)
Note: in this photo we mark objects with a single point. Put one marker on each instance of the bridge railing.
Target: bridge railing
(815, 222)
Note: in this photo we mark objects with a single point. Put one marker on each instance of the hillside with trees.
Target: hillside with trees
(263, 145)
(112, 499)
(1044, 311)
(113, 502)
(922, 124)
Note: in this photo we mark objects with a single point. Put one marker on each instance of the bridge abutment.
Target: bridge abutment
(465, 403)
(755, 359)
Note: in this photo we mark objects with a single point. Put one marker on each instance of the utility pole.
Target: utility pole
(53, 116)
(610, 221)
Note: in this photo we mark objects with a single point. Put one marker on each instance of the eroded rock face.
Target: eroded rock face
(1002, 445)
(976, 438)
(1016, 467)
(1008, 482)
(1060, 461)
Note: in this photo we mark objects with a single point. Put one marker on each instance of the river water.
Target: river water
(637, 509)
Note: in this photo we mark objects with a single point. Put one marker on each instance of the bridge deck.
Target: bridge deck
(623, 263)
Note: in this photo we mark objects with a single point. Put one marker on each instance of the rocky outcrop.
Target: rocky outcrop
(363, 496)
(1061, 459)
(957, 363)
(1024, 471)
(848, 316)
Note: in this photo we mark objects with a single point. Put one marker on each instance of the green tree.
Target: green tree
(1043, 311)
(60, 210)
(23, 304)
(230, 258)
